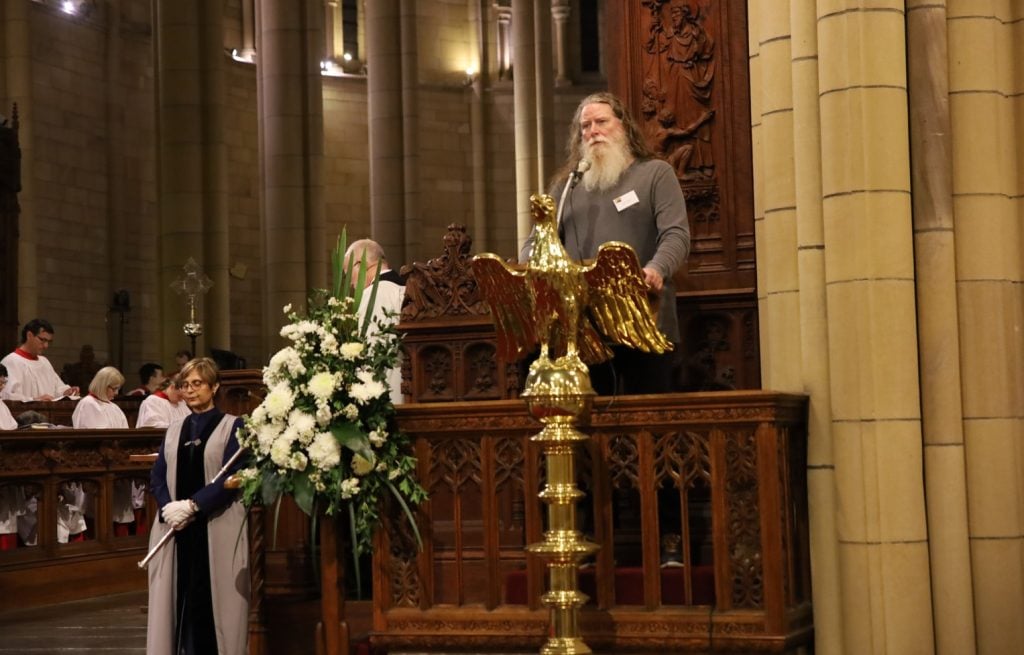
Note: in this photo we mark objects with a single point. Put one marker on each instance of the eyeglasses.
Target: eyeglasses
(191, 384)
(45, 339)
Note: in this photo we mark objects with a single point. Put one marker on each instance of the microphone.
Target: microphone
(577, 175)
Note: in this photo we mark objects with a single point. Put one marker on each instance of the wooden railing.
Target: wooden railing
(710, 485)
(40, 463)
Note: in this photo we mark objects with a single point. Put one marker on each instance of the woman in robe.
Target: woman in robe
(97, 410)
(199, 582)
(162, 407)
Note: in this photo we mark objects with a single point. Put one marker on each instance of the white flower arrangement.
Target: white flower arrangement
(325, 432)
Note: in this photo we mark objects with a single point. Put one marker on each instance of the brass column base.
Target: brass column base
(559, 394)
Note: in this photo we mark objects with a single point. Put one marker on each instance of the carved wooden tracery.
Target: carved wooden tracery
(681, 66)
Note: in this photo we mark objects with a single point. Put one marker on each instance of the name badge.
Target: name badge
(626, 201)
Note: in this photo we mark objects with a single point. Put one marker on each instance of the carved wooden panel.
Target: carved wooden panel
(449, 346)
(681, 67)
(730, 454)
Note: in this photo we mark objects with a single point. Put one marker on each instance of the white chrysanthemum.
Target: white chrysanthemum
(351, 412)
(247, 474)
(324, 452)
(329, 344)
(378, 437)
(290, 332)
(298, 462)
(333, 302)
(285, 360)
(301, 422)
(351, 350)
(287, 308)
(279, 401)
(349, 487)
(266, 436)
(322, 385)
(259, 415)
(367, 388)
(281, 453)
(324, 414)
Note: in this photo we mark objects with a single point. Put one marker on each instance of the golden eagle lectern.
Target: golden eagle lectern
(568, 309)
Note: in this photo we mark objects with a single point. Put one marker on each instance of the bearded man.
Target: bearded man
(625, 194)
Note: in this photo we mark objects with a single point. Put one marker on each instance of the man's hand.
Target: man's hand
(45, 398)
(179, 513)
(653, 279)
(71, 391)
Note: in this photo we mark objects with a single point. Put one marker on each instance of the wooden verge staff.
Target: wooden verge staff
(170, 533)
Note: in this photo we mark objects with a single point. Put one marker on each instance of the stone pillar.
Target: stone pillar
(938, 328)
(525, 108)
(504, 39)
(192, 178)
(17, 88)
(872, 329)
(477, 121)
(544, 80)
(411, 228)
(334, 39)
(385, 120)
(560, 11)
(787, 127)
(117, 221)
(248, 50)
(837, 304)
(987, 128)
(288, 52)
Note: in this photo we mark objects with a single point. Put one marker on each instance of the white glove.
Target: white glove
(178, 513)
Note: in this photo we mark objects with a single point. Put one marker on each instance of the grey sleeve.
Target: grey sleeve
(672, 223)
(527, 249)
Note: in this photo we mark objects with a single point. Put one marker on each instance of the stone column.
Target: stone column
(117, 222)
(938, 328)
(477, 121)
(411, 225)
(384, 106)
(334, 39)
(987, 128)
(192, 184)
(544, 80)
(784, 49)
(288, 52)
(872, 330)
(248, 50)
(560, 11)
(504, 39)
(525, 111)
(17, 88)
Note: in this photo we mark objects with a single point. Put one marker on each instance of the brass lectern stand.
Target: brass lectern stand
(563, 306)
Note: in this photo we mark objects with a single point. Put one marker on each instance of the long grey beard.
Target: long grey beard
(608, 162)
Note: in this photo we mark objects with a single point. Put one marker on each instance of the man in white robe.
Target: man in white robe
(387, 305)
(7, 421)
(30, 376)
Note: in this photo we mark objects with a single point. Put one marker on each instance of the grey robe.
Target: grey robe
(229, 565)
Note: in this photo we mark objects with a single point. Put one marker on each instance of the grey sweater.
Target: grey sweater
(655, 226)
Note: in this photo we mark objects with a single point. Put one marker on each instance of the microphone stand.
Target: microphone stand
(170, 533)
(570, 184)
